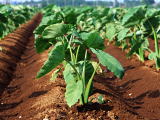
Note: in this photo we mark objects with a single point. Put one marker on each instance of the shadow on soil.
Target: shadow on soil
(11, 89)
(128, 68)
(4, 117)
(149, 94)
(94, 106)
(134, 103)
(9, 106)
(126, 86)
(38, 93)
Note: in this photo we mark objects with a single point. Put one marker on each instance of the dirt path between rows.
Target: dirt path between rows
(135, 97)
(140, 86)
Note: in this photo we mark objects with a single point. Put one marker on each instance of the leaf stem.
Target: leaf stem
(77, 52)
(88, 87)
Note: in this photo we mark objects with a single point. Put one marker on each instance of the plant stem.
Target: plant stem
(88, 87)
(70, 49)
(82, 100)
(156, 42)
(83, 73)
(141, 54)
(77, 52)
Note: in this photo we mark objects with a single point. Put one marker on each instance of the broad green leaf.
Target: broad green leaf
(55, 30)
(93, 40)
(133, 16)
(151, 22)
(40, 29)
(152, 56)
(110, 62)
(122, 34)
(112, 30)
(135, 47)
(151, 12)
(56, 56)
(41, 44)
(70, 16)
(74, 88)
(73, 92)
(48, 20)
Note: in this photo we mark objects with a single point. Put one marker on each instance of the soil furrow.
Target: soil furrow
(12, 48)
(140, 87)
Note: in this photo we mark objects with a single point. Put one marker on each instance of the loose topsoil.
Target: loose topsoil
(135, 97)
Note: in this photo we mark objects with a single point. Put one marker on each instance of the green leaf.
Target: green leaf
(100, 99)
(40, 29)
(55, 74)
(56, 56)
(110, 62)
(122, 34)
(48, 20)
(133, 16)
(74, 88)
(152, 56)
(93, 40)
(55, 30)
(73, 92)
(89, 69)
(41, 44)
(135, 47)
(98, 69)
(151, 12)
(70, 16)
(111, 31)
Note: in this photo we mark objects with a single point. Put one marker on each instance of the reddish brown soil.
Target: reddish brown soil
(140, 87)
(135, 97)
(35, 99)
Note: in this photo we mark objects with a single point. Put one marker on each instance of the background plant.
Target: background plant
(12, 16)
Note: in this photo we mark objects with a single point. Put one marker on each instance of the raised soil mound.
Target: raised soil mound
(12, 47)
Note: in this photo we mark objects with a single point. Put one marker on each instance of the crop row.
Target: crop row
(76, 33)
(12, 16)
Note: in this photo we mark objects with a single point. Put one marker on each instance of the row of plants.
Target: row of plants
(77, 33)
(12, 16)
(132, 30)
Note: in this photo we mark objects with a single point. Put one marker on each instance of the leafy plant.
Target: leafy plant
(69, 47)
